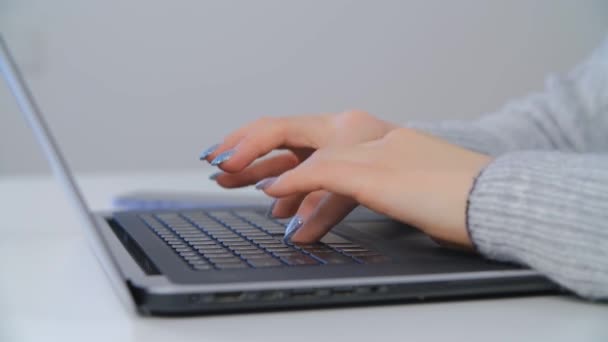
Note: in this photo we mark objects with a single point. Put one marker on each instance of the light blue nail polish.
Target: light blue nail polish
(271, 209)
(208, 151)
(224, 156)
(215, 175)
(292, 227)
(264, 183)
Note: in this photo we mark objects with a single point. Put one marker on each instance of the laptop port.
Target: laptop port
(308, 293)
(272, 295)
(343, 291)
(362, 290)
(379, 289)
(303, 293)
(228, 297)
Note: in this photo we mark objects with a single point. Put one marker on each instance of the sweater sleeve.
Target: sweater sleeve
(547, 210)
(543, 201)
(570, 115)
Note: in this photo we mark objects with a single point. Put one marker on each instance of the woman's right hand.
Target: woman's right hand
(300, 136)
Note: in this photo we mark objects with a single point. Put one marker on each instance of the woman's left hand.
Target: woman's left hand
(408, 175)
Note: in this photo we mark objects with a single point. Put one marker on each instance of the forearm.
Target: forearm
(547, 210)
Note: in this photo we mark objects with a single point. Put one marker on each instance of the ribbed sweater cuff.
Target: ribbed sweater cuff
(548, 210)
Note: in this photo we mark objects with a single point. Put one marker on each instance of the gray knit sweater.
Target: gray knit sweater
(543, 201)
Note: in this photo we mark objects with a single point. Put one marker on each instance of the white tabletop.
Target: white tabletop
(52, 288)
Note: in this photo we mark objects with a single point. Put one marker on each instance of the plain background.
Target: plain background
(144, 84)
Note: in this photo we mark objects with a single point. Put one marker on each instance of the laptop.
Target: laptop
(232, 258)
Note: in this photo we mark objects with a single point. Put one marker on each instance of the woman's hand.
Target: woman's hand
(407, 175)
(300, 136)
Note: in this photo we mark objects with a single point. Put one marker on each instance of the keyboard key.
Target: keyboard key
(244, 247)
(223, 259)
(294, 259)
(270, 241)
(167, 216)
(359, 251)
(202, 267)
(263, 239)
(333, 239)
(214, 247)
(233, 240)
(280, 249)
(256, 251)
(264, 262)
(252, 234)
(232, 265)
(191, 236)
(201, 242)
(372, 259)
(193, 258)
(213, 251)
(314, 248)
(343, 245)
(238, 244)
(334, 258)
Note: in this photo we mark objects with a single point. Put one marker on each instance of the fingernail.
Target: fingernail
(271, 209)
(215, 175)
(224, 156)
(264, 183)
(292, 227)
(208, 151)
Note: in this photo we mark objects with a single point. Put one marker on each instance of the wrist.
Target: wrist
(451, 227)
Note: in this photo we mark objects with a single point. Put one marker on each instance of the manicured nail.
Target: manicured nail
(208, 151)
(215, 175)
(224, 156)
(292, 227)
(271, 209)
(264, 183)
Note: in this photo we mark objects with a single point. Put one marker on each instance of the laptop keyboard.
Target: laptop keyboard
(223, 239)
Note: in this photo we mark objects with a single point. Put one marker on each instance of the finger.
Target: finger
(287, 206)
(304, 211)
(229, 141)
(308, 132)
(269, 167)
(329, 211)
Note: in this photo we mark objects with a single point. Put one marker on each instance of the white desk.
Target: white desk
(52, 288)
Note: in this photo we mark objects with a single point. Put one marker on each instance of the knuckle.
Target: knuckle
(397, 135)
(264, 121)
(278, 127)
(354, 118)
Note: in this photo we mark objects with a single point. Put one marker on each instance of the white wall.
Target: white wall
(133, 84)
